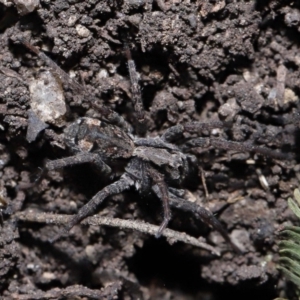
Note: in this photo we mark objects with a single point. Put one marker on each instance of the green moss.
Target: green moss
(289, 247)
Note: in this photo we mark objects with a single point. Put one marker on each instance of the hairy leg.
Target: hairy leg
(236, 146)
(203, 214)
(58, 71)
(110, 115)
(175, 132)
(136, 92)
(77, 159)
(124, 183)
(176, 200)
(163, 194)
(69, 161)
(155, 143)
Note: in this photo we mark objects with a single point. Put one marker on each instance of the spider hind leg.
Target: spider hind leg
(163, 194)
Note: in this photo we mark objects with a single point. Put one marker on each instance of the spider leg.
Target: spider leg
(236, 146)
(175, 132)
(155, 143)
(124, 183)
(110, 115)
(163, 194)
(205, 215)
(77, 159)
(64, 77)
(199, 126)
(136, 92)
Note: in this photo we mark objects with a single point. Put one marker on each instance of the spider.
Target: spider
(150, 162)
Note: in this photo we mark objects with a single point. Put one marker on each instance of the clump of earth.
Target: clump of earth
(235, 61)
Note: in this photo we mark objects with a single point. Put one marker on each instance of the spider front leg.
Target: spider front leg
(124, 183)
(106, 113)
(80, 158)
(77, 159)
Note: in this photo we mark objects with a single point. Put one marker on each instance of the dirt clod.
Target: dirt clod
(203, 61)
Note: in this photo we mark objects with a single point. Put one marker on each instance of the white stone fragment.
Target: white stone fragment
(102, 74)
(82, 31)
(72, 20)
(47, 98)
(297, 60)
(25, 7)
(7, 3)
(48, 276)
(91, 253)
(289, 96)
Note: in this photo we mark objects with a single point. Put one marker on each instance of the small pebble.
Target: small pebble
(47, 99)
(25, 7)
(292, 18)
(82, 31)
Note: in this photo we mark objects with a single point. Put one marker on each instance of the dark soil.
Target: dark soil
(236, 61)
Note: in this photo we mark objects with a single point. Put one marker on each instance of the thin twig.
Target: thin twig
(171, 235)
(71, 292)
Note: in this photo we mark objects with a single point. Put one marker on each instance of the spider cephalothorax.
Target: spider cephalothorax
(149, 162)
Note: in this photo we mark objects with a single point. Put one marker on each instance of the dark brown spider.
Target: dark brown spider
(150, 161)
